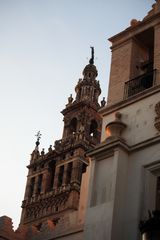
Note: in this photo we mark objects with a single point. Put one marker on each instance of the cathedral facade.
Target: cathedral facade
(102, 179)
(125, 176)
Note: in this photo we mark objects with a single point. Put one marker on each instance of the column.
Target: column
(27, 191)
(157, 53)
(35, 186)
(55, 184)
(44, 182)
(76, 172)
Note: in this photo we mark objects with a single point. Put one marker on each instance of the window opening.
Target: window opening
(32, 183)
(51, 175)
(72, 153)
(39, 184)
(69, 172)
(158, 194)
(39, 226)
(34, 169)
(142, 72)
(73, 126)
(93, 129)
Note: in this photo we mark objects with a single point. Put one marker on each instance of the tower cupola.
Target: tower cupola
(90, 70)
(88, 88)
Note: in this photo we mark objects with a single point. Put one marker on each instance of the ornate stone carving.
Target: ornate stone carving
(157, 118)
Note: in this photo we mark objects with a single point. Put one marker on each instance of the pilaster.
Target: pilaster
(157, 52)
(55, 185)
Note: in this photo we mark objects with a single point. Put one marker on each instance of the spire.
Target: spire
(91, 61)
(90, 70)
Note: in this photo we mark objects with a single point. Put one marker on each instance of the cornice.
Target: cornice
(107, 147)
(133, 30)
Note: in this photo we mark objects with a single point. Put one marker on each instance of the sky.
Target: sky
(44, 47)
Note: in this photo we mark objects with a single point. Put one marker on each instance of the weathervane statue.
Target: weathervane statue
(38, 135)
(91, 61)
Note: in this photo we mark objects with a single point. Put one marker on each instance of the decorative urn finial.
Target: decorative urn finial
(115, 128)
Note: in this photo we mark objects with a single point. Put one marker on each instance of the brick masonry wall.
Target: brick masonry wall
(157, 53)
(6, 229)
(120, 71)
(65, 229)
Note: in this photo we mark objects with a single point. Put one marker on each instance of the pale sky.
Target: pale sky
(44, 46)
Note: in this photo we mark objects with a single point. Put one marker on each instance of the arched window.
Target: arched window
(39, 188)
(93, 129)
(31, 187)
(51, 175)
(73, 126)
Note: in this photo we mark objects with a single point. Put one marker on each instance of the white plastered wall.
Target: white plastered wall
(139, 118)
(101, 199)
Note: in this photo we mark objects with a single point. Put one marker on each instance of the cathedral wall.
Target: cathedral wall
(133, 177)
(76, 236)
(98, 222)
(102, 183)
(125, 169)
(101, 199)
(83, 196)
(135, 172)
(139, 118)
(143, 169)
(157, 52)
(118, 225)
(53, 236)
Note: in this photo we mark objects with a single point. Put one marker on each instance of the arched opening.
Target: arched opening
(51, 175)
(73, 126)
(39, 188)
(93, 129)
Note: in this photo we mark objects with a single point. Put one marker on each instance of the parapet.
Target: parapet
(66, 226)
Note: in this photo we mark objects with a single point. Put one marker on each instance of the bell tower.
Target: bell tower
(80, 116)
(54, 179)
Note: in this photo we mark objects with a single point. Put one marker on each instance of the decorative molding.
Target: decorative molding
(157, 118)
(133, 99)
(113, 142)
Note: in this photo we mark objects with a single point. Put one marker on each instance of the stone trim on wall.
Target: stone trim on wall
(117, 106)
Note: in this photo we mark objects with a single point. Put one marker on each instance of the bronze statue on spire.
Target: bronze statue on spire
(91, 61)
(38, 135)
